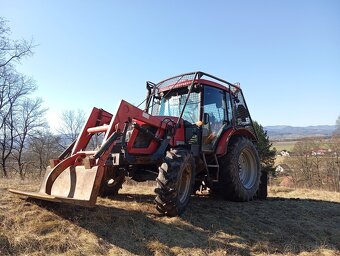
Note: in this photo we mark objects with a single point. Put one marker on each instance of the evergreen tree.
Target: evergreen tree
(266, 154)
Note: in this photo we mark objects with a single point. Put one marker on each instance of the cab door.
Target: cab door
(214, 116)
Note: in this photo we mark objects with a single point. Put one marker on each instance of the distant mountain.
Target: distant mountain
(294, 132)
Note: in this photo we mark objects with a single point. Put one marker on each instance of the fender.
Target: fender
(222, 145)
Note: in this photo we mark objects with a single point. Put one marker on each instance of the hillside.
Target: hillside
(293, 132)
(129, 225)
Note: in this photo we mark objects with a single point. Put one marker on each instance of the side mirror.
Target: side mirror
(149, 86)
(206, 118)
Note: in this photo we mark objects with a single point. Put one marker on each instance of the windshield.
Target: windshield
(172, 105)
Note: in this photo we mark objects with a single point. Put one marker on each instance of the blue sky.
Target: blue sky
(285, 54)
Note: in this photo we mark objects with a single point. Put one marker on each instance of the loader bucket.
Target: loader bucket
(75, 177)
(75, 185)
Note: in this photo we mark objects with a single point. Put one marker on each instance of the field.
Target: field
(284, 145)
(288, 144)
(290, 222)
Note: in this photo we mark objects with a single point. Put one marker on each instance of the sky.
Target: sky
(285, 54)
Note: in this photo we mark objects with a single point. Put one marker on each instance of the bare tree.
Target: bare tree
(30, 118)
(333, 164)
(303, 162)
(6, 141)
(71, 124)
(12, 50)
(315, 168)
(13, 86)
(43, 146)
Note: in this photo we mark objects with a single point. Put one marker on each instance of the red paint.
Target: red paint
(223, 143)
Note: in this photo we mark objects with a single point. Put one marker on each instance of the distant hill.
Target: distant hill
(294, 132)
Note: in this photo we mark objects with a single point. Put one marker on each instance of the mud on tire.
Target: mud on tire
(175, 182)
(240, 171)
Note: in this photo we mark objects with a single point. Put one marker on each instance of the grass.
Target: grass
(290, 222)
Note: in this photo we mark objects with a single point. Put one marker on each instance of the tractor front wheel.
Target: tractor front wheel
(175, 182)
(240, 174)
(112, 182)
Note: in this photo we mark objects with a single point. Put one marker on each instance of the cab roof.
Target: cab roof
(198, 77)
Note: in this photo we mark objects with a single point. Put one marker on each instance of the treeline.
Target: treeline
(29, 158)
(315, 164)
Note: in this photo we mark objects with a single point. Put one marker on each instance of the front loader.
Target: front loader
(195, 133)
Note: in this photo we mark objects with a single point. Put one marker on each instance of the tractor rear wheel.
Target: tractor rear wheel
(262, 192)
(113, 180)
(240, 171)
(175, 182)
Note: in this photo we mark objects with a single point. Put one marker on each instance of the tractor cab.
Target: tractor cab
(209, 106)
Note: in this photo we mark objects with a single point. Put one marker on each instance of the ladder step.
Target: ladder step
(212, 175)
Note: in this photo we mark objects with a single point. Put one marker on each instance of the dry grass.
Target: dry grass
(129, 225)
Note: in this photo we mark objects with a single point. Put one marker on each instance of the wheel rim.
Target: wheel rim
(247, 168)
(110, 182)
(184, 186)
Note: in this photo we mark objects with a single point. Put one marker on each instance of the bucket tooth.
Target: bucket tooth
(46, 197)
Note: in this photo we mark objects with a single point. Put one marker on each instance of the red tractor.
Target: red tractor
(194, 133)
